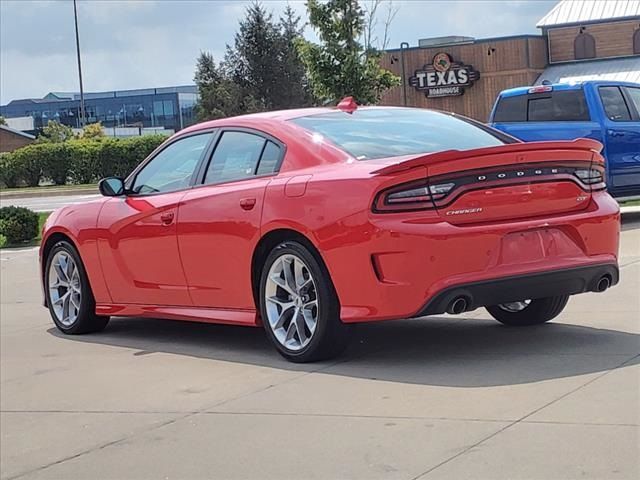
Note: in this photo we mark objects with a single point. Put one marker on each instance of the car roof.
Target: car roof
(278, 116)
(513, 92)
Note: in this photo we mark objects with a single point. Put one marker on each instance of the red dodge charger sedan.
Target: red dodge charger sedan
(307, 221)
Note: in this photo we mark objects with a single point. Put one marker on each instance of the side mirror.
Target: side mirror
(111, 186)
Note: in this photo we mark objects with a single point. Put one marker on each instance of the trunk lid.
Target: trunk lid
(507, 182)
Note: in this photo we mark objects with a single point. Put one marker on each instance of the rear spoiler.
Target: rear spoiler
(583, 144)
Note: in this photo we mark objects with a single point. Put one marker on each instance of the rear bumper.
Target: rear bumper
(401, 266)
(568, 281)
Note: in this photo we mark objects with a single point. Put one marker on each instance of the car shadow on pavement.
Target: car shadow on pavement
(445, 351)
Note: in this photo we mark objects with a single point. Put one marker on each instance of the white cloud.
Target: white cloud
(146, 43)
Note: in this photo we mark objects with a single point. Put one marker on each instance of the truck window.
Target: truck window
(614, 105)
(511, 109)
(634, 94)
(562, 106)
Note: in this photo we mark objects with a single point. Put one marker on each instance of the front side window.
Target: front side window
(560, 106)
(173, 167)
(235, 157)
(614, 105)
(387, 132)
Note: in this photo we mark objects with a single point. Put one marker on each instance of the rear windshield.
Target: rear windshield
(559, 106)
(388, 132)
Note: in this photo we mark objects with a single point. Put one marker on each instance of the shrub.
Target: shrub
(83, 160)
(31, 163)
(78, 161)
(11, 171)
(18, 224)
(3, 241)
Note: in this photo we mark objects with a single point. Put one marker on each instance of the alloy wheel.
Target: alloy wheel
(291, 302)
(65, 291)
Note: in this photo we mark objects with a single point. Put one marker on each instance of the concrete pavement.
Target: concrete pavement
(444, 397)
(46, 204)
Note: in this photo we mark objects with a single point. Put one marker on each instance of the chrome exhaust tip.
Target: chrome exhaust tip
(603, 283)
(457, 306)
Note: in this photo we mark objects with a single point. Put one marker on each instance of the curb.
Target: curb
(50, 193)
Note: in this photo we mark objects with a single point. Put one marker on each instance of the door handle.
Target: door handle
(167, 218)
(248, 203)
(615, 133)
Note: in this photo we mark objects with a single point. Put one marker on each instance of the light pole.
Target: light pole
(82, 112)
(403, 47)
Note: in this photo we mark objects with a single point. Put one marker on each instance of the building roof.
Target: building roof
(17, 132)
(615, 69)
(569, 12)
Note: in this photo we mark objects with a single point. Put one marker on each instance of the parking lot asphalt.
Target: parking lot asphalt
(440, 397)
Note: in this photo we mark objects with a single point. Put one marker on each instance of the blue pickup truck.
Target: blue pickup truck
(606, 111)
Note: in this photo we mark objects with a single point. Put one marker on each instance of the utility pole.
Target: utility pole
(82, 112)
(403, 47)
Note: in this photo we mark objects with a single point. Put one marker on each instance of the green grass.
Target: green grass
(42, 217)
(631, 203)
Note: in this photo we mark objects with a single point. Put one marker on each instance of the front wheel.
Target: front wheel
(68, 292)
(299, 306)
(529, 312)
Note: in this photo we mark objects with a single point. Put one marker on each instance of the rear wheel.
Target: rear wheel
(68, 292)
(299, 306)
(529, 312)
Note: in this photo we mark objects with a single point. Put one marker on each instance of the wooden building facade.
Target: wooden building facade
(501, 63)
(580, 40)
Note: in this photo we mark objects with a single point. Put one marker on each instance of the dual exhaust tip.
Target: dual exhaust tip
(461, 304)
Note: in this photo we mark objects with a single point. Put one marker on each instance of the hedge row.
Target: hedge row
(75, 161)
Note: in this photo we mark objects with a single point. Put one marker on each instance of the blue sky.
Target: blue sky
(137, 44)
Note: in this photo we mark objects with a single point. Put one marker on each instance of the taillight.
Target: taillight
(589, 176)
(411, 196)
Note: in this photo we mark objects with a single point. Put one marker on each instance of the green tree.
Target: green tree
(340, 65)
(92, 131)
(55, 132)
(218, 95)
(2, 120)
(293, 86)
(252, 61)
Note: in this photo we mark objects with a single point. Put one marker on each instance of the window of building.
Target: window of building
(636, 41)
(584, 46)
(173, 167)
(560, 106)
(235, 158)
(614, 105)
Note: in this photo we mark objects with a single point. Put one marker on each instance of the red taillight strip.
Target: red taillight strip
(479, 179)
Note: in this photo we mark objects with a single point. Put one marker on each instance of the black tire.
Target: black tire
(331, 336)
(87, 321)
(539, 311)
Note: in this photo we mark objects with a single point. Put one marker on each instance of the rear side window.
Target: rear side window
(563, 106)
(235, 157)
(634, 94)
(614, 104)
(270, 159)
(511, 109)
